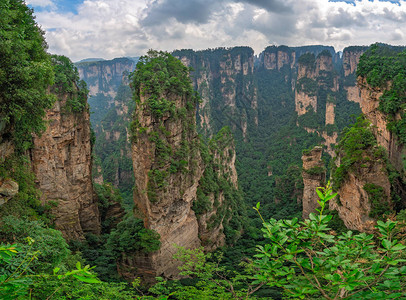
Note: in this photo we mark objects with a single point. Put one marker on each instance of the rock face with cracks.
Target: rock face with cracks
(61, 161)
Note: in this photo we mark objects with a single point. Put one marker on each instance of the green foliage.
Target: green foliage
(17, 283)
(159, 76)
(25, 74)
(317, 170)
(50, 247)
(310, 119)
(357, 145)
(108, 196)
(308, 261)
(384, 67)
(307, 85)
(27, 202)
(207, 280)
(379, 204)
(307, 59)
(331, 129)
(67, 82)
(130, 236)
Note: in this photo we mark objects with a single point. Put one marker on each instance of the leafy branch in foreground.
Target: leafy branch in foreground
(15, 281)
(309, 261)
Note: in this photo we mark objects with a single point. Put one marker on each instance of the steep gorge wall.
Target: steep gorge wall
(104, 76)
(61, 161)
(369, 102)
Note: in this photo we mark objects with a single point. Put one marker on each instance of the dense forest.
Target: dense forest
(269, 250)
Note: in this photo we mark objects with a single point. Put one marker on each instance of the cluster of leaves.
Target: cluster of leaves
(158, 76)
(384, 67)
(25, 73)
(307, 85)
(309, 261)
(379, 204)
(131, 236)
(67, 82)
(38, 253)
(317, 170)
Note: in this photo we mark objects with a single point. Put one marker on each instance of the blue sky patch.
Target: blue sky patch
(62, 6)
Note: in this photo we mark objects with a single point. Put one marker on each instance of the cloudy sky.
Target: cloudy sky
(115, 28)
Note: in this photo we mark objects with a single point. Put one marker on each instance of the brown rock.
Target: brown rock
(8, 189)
(168, 212)
(354, 205)
(314, 175)
(61, 161)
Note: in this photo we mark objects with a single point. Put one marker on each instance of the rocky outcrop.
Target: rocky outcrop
(274, 58)
(167, 168)
(61, 161)
(351, 56)
(355, 204)
(185, 190)
(314, 175)
(8, 189)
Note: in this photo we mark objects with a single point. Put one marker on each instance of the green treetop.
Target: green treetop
(25, 73)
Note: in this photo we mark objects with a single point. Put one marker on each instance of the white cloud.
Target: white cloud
(113, 28)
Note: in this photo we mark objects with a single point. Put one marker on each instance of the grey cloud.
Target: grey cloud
(190, 11)
(345, 19)
(392, 16)
(276, 6)
(269, 24)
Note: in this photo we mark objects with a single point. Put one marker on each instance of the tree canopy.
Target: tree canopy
(25, 73)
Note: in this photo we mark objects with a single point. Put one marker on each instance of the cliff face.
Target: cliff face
(213, 205)
(316, 93)
(104, 76)
(61, 161)
(314, 175)
(355, 204)
(274, 58)
(224, 79)
(167, 165)
(185, 190)
(369, 102)
(166, 203)
(351, 56)
(306, 89)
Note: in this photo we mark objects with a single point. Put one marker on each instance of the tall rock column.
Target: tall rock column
(61, 158)
(314, 175)
(166, 159)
